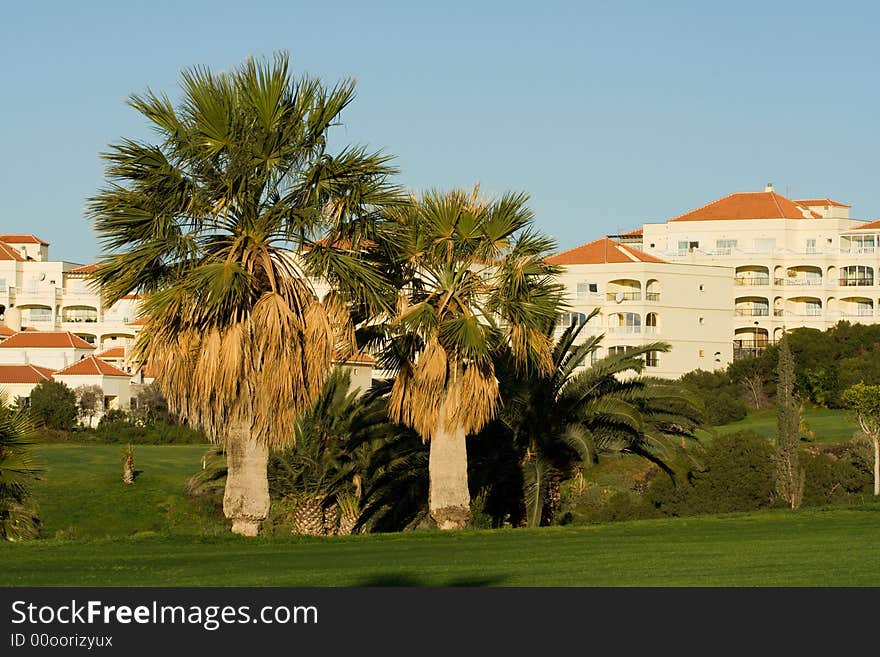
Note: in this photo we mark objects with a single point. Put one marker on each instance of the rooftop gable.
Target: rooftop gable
(601, 251)
(45, 340)
(8, 253)
(92, 366)
(749, 205)
(22, 239)
(24, 374)
(821, 203)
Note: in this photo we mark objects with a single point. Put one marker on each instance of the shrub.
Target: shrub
(836, 475)
(720, 396)
(54, 404)
(737, 475)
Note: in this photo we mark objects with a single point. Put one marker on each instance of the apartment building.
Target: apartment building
(643, 298)
(794, 263)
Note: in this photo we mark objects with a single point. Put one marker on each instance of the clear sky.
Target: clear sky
(608, 114)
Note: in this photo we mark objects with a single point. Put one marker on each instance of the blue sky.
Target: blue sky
(608, 114)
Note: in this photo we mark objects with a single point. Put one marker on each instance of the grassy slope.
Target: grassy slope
(829, 425)
(807, 548)
(81, 493)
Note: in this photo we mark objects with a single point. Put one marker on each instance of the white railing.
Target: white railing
(625, 330)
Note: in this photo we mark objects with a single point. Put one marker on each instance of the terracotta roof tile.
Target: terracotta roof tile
(601, 251)
(112, 352)
(92, 365)
(24, 374)
(748, 205)
(22, 239)
(45, 340)
(5, 331)
(874, 225)
(8, 253)
(85, 269)
(821, 202)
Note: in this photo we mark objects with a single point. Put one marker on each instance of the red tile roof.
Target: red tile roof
(632, 233)
(356, 359)
(24, 373)
(133, 297)
(5, 331)
(112, 352)
(601, 251)
(874, 225)
(821, 202)
(92, 366)
(85, 269)
(748, 205)
(45, 340)
(22, 239)
(140, 321)
(8, 253)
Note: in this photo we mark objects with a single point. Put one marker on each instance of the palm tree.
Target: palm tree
(559, 420)
(17, 469)
(472, 275)
(226, 225)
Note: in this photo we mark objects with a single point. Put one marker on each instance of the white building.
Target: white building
(18, 380)
(794, 262)
(93, 371)
(642, 298)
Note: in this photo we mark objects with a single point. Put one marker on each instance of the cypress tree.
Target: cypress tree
(789, 474)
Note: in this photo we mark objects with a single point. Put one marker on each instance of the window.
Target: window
(702, 353)
(811, 245)
(702, 321)
(568, 319)
(652, 359)
(765, 245)
(584, 290)
(613, 351)
(40, 314)
(682, 248)
(725, 247)
(2, 285)
(702, 288)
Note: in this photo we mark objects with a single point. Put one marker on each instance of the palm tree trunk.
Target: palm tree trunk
(449, 499)
(246, 498)
(876, 465)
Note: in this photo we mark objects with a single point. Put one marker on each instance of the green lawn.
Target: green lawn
(103, 532)
(807, 548)
(828, 425)
(81, 493)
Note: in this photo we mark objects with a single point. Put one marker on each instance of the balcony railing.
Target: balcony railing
(625, 330)
(752, 280)
(651, 330)
(797, 281)
(652, 296)
(624, 296)
(752, 312)
(810, 312)
(859, 312)
(858, 250)
(854, 282)
(778, 312)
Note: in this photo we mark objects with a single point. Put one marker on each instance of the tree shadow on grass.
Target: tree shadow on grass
(411, 580)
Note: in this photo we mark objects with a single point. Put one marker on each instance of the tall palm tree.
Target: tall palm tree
(227, 224)
(472, 275)
(17, 469)
(560, 419)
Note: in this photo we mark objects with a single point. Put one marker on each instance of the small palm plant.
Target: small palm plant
(18, 519)
(128, 465)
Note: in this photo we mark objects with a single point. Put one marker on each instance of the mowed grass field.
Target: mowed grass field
(828, 425)
(101, 532)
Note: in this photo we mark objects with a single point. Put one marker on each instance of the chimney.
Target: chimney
(769, 187)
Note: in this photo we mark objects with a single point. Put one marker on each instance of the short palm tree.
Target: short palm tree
(17, 469)
(472, 275)
(560, 419)
(230, 225)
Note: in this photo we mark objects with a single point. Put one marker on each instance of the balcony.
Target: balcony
(797, 281)
(625, 330)
(752, 312)
(856, 282)
(753, 281)
(859, 250)
(652, 296)
(749, 348)
(778, 312)
(625, 296)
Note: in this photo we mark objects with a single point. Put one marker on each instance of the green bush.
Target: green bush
(737, 474)
(721, 397)
(54, 405)
(838, 475)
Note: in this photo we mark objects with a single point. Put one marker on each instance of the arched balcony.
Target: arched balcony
(652, 324)
(652, 290)
(81, 313)
(91, 338)
(803, 307)
(749, 341)
(856, 307)
(802, 275)
(752, 276)
(625, 323)
(751, 307)
(778, 307)
(116, 340)
(623, 289)
(35, 313)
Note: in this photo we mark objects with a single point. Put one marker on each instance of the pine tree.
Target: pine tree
(789, 474)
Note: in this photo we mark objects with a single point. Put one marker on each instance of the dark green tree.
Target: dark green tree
(54, 404)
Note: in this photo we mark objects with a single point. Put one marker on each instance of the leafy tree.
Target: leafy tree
(54, 404)
(789, 474)
(89, 399)
(721, 397)
(865, 401)
(224, 224)
(18, 519)
(472, 274)
(150, 405)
